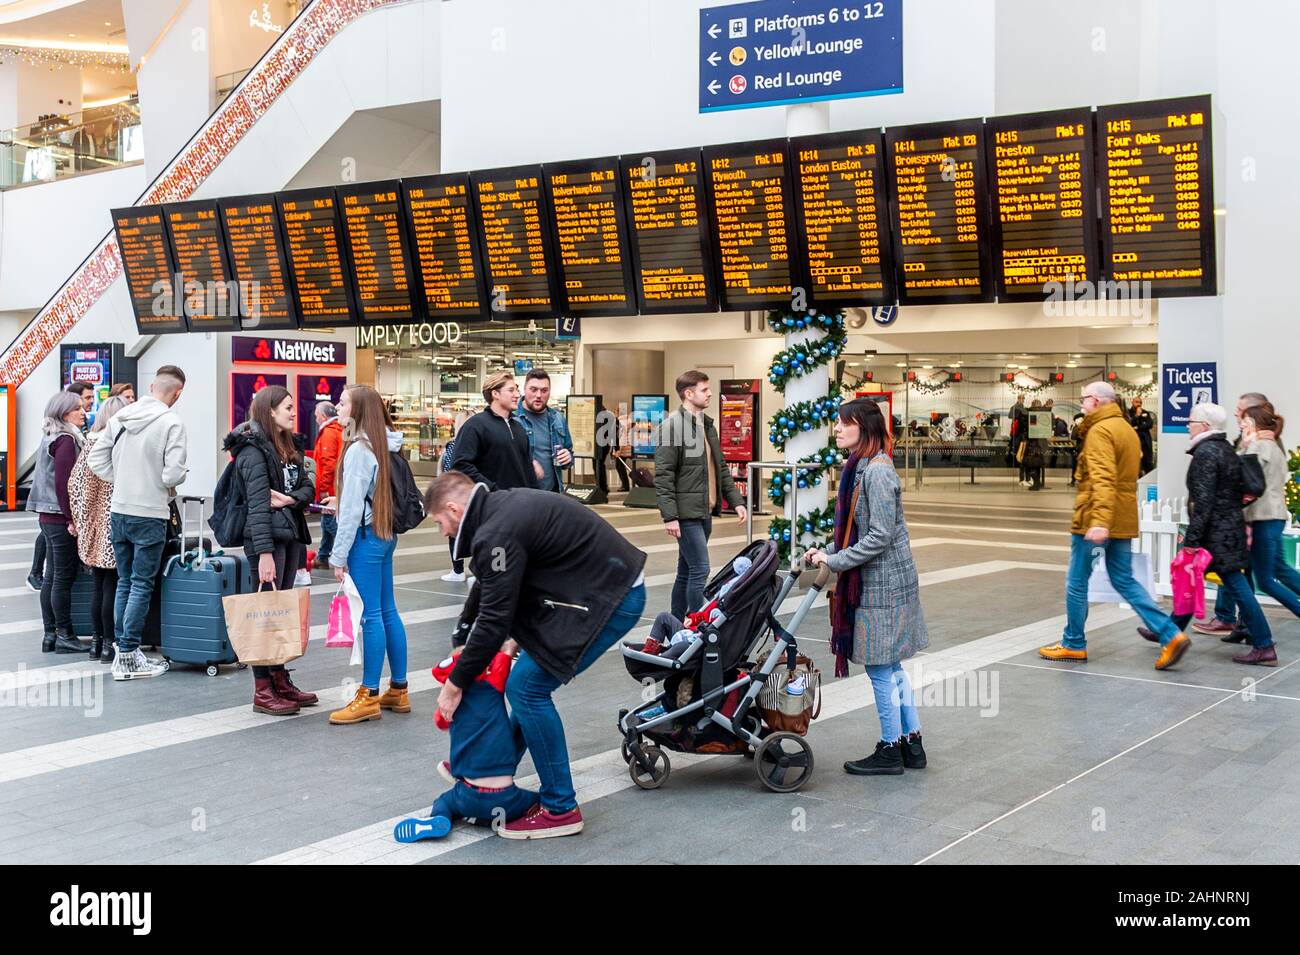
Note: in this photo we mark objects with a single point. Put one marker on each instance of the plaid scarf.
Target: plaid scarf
(848, 588)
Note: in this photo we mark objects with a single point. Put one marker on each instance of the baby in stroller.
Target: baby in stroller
(483, 758)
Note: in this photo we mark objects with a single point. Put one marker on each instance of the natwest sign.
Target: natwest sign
(287, 351)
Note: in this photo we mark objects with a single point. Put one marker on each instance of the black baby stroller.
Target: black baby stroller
(708, 701)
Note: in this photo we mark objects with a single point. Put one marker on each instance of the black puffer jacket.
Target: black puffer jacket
(261, 472)
(1216, 521)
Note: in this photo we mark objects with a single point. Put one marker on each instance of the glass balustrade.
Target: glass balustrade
(56, 146)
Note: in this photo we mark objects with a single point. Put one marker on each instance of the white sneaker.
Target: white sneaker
(302, 578)
(796, 686)
(135, 666)
(453, 578)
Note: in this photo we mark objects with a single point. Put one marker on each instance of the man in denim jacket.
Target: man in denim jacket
(549, 440)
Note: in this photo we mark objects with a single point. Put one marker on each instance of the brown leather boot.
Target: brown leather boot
(285, 689)
(266, 701)
(399, 701)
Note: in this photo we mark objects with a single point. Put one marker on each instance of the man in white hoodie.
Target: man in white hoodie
(142, 453)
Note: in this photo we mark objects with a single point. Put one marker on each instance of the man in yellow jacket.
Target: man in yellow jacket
(1105, 523)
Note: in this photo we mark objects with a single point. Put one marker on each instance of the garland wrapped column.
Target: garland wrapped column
(801, 429)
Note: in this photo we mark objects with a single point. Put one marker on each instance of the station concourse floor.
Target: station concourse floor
(1029, 761)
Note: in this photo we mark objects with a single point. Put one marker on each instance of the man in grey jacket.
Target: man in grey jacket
(142, 453)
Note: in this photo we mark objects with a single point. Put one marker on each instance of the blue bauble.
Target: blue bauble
(783, 420)
(803, 483)
(805, 426)
(785, 534)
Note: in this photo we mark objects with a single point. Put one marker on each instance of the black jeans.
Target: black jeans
(101, 604)
(692, 566)
(457, 565)
(287, 555)
(38, 557)
(62, 566)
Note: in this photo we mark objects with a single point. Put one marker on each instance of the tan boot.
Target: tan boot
(363, 707)
(399, 701)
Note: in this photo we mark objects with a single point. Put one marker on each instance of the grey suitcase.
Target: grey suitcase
(193, 618)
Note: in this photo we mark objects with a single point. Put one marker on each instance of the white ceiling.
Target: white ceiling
(54, 20)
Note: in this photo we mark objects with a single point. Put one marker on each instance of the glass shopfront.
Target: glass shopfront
(432, 374)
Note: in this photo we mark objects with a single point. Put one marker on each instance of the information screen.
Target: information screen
(590, 237)
(671, 261)
(317, 263)
(1157, 205)
(843, 210)
(374, 226)
(147, 263)
(208, 290)
(1044, 204)
(256, 252)
(516, 250)
(445, 251)
(752, 218)
(940, 212)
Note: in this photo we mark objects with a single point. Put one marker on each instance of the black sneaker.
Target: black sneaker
(1239, 635)
(34, 583)
(913, 751)
(887, 760)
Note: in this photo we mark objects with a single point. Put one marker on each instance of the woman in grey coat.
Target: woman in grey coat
(876, 619)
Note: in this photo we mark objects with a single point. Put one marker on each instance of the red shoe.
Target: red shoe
(538, 823)
(1214, 627)
(1266, 657)
(285, 689)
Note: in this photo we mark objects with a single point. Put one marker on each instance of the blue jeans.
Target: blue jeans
(137, 548)
(1243, 596)
(1266, 559)
(1119, 566)
(370, 562)
(532, 711)
(692, 567)
(464, 801)
(894, 705)
(329, 524)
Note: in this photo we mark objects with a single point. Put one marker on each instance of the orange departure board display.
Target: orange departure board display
(147, 263)
(940, 214)
(208, 292)
(843, 211)
(1044, 205)
(256, 252)
(589, 236)
(375, 230)
(445, 250)
(318, 264)
(671, 261)
(753, 222)
(517, 255)
(1157, 188)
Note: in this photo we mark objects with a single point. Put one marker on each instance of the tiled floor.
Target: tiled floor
(1104, 762)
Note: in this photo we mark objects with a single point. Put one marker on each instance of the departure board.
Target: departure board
(444, 247)
(843, 210)
(318, 266)
(672, 263)
(147, 264)
(753, 221)
(256, 252)
(375, 230)
(517, 255)
(208, 291)
(589, 236)
(940, 212)
(1157, 206)
(1044, 212)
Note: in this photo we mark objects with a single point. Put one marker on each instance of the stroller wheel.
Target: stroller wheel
(651, 769)
(784, 762)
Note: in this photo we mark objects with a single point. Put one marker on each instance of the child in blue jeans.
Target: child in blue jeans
(483, 759)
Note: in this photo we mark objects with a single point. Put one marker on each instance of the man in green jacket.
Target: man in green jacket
(691, 480)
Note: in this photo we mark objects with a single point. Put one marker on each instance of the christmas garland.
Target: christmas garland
(808, 476)
(934, 386)
(816, 522)
(799, 360)
(804, 416)
(1130, 390)
(1293, 486)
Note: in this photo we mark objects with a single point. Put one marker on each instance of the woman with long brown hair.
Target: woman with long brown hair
(276, 490)
(876, 618)
(363, 547)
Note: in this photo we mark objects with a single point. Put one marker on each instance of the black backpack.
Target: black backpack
(229, 510)
(1253, 482)
(408, 504)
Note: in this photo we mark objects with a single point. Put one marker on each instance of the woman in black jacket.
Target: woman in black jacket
(276, 490)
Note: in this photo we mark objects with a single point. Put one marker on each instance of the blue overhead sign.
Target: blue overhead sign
(1183, 386)
(775, 52)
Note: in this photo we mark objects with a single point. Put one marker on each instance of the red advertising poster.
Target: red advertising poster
(738, 414)
(243, 385)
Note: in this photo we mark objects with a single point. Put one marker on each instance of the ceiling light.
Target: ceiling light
(927, 367)
(1130, 364)
(901, 364)
(1146, 366)
(1071, 364)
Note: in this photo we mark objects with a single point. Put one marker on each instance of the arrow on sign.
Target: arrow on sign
(714, 86)
(714, 31)
(1177, 399)
(714, 59)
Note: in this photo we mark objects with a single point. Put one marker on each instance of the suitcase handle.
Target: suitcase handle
(196, 556)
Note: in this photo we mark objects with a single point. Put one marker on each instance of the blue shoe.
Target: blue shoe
(416, 829)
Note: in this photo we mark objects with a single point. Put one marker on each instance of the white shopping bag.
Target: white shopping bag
(1100, 590)
(355, 605)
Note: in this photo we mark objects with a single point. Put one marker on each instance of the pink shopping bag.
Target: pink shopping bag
(1187, 572)
(340, 632)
